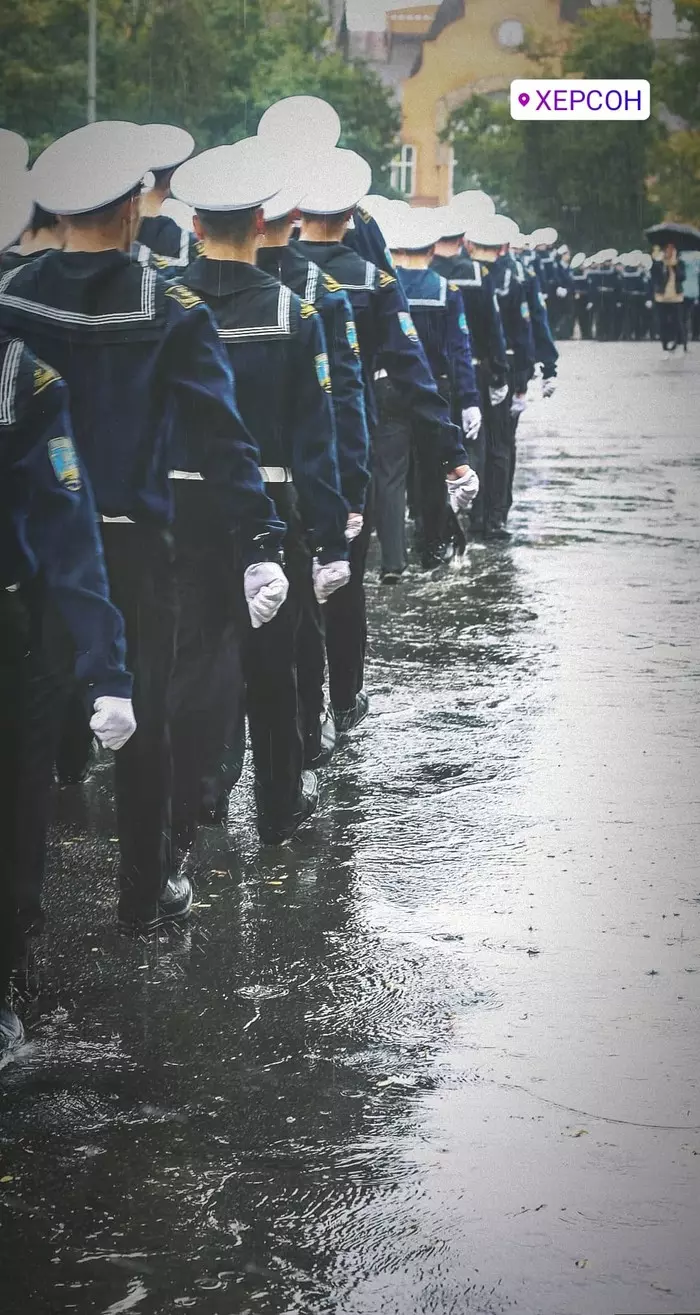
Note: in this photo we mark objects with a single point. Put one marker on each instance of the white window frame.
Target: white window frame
(403, 170)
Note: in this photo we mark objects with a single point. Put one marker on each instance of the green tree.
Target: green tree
(587, 179)
(212, 66)
(676, 159)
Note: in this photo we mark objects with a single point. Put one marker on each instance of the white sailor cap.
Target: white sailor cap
(578, 260)
(288, 197)
(378, 206)
(474, 201)
(16, 203)
(607, 254)
(491, 230)
(14, 151)
(449, 220)
(414, 228)
(562, 250)
(336, 181)
(544, 237)
(305, 123)
(238, 177)
(91, 167)
(169, 146)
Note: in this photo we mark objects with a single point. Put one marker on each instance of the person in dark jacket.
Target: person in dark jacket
(667, 279)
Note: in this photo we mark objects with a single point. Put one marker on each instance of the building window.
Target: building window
(403, 171)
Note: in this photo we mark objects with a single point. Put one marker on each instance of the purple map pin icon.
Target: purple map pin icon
(524, 98)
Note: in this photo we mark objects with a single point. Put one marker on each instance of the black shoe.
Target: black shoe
(274, 832)
(75, 773)
(174, 905)
(347, 720)
(390, 577)
(497, 530)
(11, 1032)
(437, 555)
(320, 750)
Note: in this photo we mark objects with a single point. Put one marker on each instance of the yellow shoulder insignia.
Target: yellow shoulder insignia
(385, 280)
(183, 296)
(307, 310)
(454, 287)
(160, 262)
(43, 376)
(362, 214)
(485, 270)
(330, 284)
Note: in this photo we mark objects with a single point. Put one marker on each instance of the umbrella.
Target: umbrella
(682, 236)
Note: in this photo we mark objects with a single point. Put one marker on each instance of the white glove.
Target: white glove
(463, 491)
(518, 404)
(498, 395)
(471, 423)
(549, 387)
(113, 721)
(328, 578)
(561, 292)
(648, 305)
(589, 305)
(265, 586)
(354, 525)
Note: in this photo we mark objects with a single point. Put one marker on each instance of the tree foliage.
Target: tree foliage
(588, 179)
(212, 66)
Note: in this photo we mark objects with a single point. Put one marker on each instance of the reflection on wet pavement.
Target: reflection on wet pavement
(441, 1054)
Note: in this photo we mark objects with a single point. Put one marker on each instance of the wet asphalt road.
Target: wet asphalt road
(442, 1055)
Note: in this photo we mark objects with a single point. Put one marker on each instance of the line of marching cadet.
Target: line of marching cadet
(198, 432)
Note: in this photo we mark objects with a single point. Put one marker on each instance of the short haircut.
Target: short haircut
(95, 218)
(330, 220)
(228, 225)
(42, 219)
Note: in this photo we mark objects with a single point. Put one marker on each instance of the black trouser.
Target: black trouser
(140, 569)
(583, 316)
(207, 694)
(391, 455)
(492, 457)
(637, 316)
(346, 623)
(224, 666)
(44, 682)
(563, 326)
(606, 317)
(671, 329)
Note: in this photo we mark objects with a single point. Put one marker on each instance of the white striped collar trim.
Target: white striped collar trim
(8, 381)
(78, 318)
(312, 276)
(470, 283)
(432, 301)
(283, 325)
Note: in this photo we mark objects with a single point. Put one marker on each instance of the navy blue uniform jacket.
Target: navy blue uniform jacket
(48, 519)
(277, 348)
(291, 267)
(438, 314)
(388, 340)
(145, 369)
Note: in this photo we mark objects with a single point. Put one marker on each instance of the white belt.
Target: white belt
(275, 475)
(118, 520)
(380, 374)
(268, 474)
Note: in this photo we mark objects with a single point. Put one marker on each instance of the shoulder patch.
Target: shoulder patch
(454, 287)
(463, 324)
(307, 310)
(330, 284)
(184, 297)
(524, 310)
(323, 371)
(364, 215)
(484, 271)
(385, 280)
(407, 325)
(64, 459)
(351, 332)
(43, 376)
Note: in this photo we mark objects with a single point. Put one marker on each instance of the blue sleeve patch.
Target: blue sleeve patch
(524, 310)
(407, 325)
(323, 371)
(64, 459)
(463, 324)
(351, 331)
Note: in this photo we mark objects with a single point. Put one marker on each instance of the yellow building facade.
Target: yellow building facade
(477, 52)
